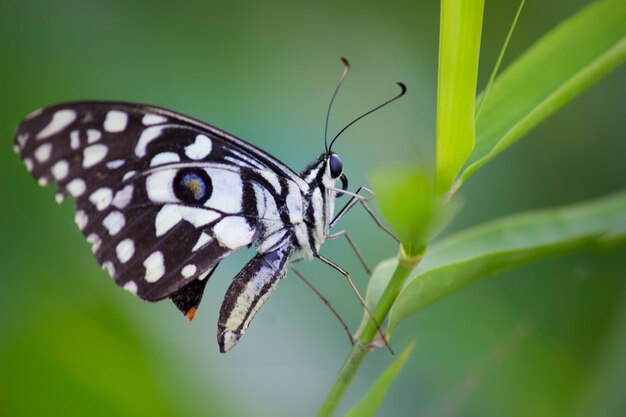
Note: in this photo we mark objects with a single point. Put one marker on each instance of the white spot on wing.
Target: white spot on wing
(147, 136)
(125, 250)
(159, 186)
(115, 164)
(29, 164)
(21, 139)
(153, 119)
(114, 222)
(204, 274)
(60, 120)
(203, 240)
(60, 170)
(171, 214)
(272, 179)
(200, 148)
(294, 203)
(189, 271)
(271, 210)
(155, 268)
(259, 194)
(42, 153)
(76, 187)
(131, 287)
(227, 190)
(233, 232)
(81, 219)
(43, 181)
(94, 154)
(101, 198)
(95, 241)
(93, 135)
(128, 175)
(123, 197)
(74, 139)
(58, 197)
(198, 217)
(108, 266)
(115, 121)
(164, 158)
(166, 218)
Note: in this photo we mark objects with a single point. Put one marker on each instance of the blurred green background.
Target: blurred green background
(548, 339)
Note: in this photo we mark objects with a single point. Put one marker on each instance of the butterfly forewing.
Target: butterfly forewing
(159, 196)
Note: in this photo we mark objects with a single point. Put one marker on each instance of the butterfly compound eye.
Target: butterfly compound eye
(336, 166)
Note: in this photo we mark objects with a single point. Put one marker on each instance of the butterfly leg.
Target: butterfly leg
(247, 293)
(358, 294)
(353, 246)
(326, 302)
(358, 198)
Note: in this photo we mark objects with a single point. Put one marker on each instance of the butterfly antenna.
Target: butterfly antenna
(346, 69)
(392, 99)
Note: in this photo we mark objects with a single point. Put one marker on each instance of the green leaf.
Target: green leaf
(558, 67)
(504, 244)
(459, 48)
(483, 97)
(371, 401)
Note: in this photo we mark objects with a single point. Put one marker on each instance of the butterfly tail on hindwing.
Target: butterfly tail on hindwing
(188, 298)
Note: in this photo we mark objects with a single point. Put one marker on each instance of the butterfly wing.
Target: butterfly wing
(159, 196)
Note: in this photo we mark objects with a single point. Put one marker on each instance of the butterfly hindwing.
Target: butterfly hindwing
(159, 196)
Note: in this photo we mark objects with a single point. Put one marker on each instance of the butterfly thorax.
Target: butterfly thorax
(318, 205)
(295, 213)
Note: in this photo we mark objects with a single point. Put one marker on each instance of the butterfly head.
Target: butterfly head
(334, 169)
(325, 171)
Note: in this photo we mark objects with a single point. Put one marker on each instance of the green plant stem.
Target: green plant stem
(363, 344)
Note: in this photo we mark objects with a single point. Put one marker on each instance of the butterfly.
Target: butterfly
(163, 198)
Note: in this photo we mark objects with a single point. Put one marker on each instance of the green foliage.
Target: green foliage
(371, 401)
(556, 69)
(504, 244)
(459, 48)
(96, 359)
(560, 66)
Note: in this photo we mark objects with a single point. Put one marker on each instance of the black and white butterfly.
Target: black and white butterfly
(163, 198)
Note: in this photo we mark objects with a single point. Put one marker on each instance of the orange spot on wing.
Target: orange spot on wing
(190, 313)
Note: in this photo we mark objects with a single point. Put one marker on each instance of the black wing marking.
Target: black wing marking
(187, 299)
(158, 195)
